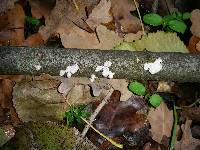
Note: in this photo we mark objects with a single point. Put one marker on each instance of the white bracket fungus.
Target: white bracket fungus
(69, 70)
(154, 67)
(105, 70)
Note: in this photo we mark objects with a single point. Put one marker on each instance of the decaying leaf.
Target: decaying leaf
(187, 142)
(41, 8)
(65, 14)
(161, 121)
(77, 38)
(34, 40)
(193, 44)
(12, 26)
(195, 19)
(121, 10)
(6, 4)
(198, 46)
(122, 119)
(6, 87)
(156, 42)
(100, 14)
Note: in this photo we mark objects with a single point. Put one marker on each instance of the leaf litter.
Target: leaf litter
(99, 24)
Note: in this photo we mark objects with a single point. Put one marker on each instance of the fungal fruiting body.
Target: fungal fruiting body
(69, 70)
(105, 70)
(154, 67)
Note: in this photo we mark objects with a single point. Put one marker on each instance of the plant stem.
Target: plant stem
(104, 136)
(96, 112)
(140, 17)
(173, 137)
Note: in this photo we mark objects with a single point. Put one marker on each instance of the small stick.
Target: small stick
(96, 112)
(139, 17)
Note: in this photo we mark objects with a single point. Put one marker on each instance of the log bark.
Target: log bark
(125, 64)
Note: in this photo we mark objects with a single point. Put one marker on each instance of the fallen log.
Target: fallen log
(125, 64)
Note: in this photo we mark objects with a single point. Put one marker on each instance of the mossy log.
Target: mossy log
(125, 64)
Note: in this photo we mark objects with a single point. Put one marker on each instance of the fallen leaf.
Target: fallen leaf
(198, 46)
(100, 14)
(121, 10)
(164, 86)
(118, 119)
(12, 26)
(187, 142)
(108, 39)
(161, 121)
(6, 4)
(193, 47)
(195, 19)
(6, 87)
(65, 15)
(77, 38)
(41, 8)
(34, 40)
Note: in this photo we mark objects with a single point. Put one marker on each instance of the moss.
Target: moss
(3, 137)
(42, 136)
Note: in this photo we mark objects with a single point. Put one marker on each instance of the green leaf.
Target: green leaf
(32, 20)
(152, 19)
(177, 15)
(155, 100)
(178, 26)
(137, 88)
(186, 15)
(167, 19)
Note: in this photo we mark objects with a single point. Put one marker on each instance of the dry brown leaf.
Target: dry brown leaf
(192, 47)
(164, 86)
(6, 4)
(108, 39)
(121, 12)
(100, 14)
(161, 120)
(130, 37)
(12, 26)
(77, 38)
(65, 14)
(6, 87)
(41, 8)
(198, 46)
(195, 19)
(187, 142)
(34, 40)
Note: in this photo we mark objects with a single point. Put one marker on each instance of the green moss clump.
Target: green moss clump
(42, 136)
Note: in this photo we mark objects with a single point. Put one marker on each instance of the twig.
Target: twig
(101, 134)
(96, 112)
(139, 17)
(104, 136)
(76, 6)
(191, 105)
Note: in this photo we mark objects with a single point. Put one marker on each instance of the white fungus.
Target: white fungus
(69, 70)
(105, 70)
(37, 67)
(154, 67)
(93, 77)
